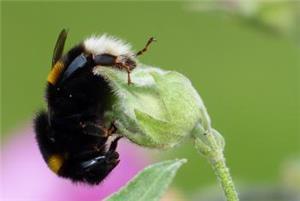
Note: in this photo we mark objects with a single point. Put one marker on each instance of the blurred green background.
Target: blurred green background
(247, 75)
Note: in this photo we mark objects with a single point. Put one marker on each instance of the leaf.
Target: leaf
(150, 184)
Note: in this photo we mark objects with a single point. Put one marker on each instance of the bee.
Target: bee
(71, 134)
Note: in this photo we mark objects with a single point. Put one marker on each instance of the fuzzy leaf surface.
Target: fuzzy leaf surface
(150, 184)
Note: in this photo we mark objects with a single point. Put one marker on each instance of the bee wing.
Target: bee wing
(59, 46)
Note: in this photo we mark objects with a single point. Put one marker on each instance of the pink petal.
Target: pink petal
(25, 176)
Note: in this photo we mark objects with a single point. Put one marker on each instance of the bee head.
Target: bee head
(94, 51)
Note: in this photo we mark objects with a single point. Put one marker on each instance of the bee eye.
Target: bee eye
(104, 59)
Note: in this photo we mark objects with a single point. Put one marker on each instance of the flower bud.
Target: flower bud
(159, 109)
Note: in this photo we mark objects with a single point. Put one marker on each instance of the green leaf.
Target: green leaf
(150, 184)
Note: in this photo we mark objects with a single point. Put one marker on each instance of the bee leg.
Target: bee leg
(93, 129)
(112, 129)
(126, 63)
(92, 170)
(98, 168)
(111, 156)
(91, 166)
(128, 76)
(121, 62)
(114, 144)
(91, 157)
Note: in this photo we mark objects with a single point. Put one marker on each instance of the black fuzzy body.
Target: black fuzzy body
(72, 127)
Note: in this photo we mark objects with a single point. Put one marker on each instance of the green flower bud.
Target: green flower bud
(159, 109)
(162, 108)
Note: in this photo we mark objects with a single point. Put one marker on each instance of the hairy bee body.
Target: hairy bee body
(72, 135)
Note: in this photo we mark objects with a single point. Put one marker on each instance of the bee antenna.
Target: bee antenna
(150, 40)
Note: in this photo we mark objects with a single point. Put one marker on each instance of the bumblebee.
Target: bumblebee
(71, 134)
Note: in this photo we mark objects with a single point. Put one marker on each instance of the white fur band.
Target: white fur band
(105, 44)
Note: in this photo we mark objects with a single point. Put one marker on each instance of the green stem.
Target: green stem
(223, 175)
(211, 144)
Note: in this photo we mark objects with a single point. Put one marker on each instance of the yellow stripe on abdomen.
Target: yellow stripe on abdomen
(55, 162)
(55, 72)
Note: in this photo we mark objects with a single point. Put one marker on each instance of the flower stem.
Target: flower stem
(211, 144)
(223, 175)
